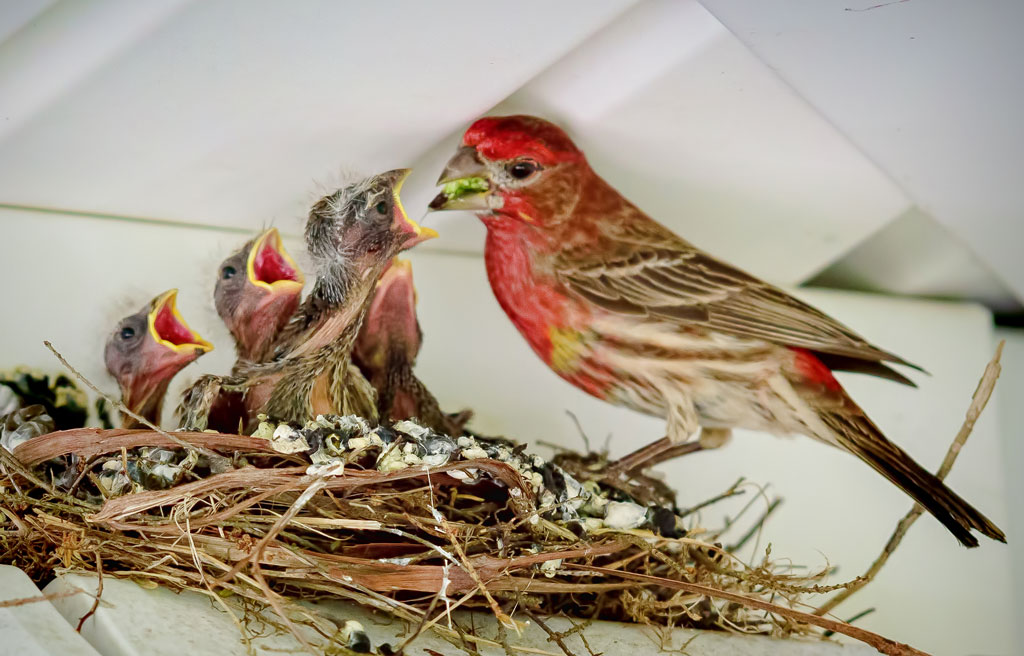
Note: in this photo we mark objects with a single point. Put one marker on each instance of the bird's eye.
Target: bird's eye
(127, 332)
(523, 169)
(228, 272)
(382, 207)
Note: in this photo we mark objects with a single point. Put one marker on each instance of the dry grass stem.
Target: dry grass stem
(411, 524)
(979, 400)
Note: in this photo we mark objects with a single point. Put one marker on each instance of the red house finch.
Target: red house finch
(258, 289)
(386, 349)
(146, 350)
(624, 309)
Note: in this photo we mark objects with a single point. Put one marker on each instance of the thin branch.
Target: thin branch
(756, 527)
(734, 490)
(99, 593)
(978, 402)
(882, 644)
(850, 620)
(553, 636)
(123, 408)
(12, 603)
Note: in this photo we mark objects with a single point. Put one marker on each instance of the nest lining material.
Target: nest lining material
(395, 518)
(400, 520)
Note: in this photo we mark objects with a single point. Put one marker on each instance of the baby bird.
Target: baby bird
(257, 292)
(146, 350)
(386, 349)
(351, 236)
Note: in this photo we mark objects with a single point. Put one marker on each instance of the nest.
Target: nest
(406, 521)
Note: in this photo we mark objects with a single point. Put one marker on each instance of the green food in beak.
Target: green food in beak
(458, 188)
(462, 194)
(465, 183)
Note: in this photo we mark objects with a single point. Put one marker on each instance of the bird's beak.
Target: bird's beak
(466, 183)
(402, 224)
(169, 330)
(269, 266)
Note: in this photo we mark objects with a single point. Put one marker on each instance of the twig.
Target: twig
(86, 466)
(123, 408)
(578, 629)
(88, 442)
(11, 464)
(256, 554)
(99, 593)
(271, 598)
(881, 643)
(734, 490)
(755, 528)
(850, 620)
(579, 428)
(12, 603)
(553, 636)
(978, 402)
(423, 623)
(467, 566)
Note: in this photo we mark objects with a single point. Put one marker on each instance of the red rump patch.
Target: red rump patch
(814, 370)
(269, 266)
(508, 137)
(169, 328)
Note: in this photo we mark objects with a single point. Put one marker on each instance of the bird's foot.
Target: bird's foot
(653, 454)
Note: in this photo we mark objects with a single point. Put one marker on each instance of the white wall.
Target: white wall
(1011, 415)
(68, 279)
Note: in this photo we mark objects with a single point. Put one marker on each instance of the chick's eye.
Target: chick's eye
(523, 169)
(382, 207)
(127, 332)
(228, 272)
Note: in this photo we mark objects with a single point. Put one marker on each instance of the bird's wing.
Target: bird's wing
(652, 272)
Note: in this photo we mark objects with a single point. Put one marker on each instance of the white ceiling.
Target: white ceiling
(781, 150)
(930, 90)
(915, 255)
(225, 112)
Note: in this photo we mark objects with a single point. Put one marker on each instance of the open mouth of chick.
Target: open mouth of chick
(270, 264)
(169, 328)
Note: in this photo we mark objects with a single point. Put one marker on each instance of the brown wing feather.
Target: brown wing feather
(655, 273)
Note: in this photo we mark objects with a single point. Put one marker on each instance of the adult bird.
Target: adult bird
(386, 348)
(146, 350)
(257, 292)
(629, 312)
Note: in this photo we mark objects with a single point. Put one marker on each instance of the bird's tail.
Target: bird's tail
(858, 434)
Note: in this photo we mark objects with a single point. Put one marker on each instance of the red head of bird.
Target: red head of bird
(515, 169)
